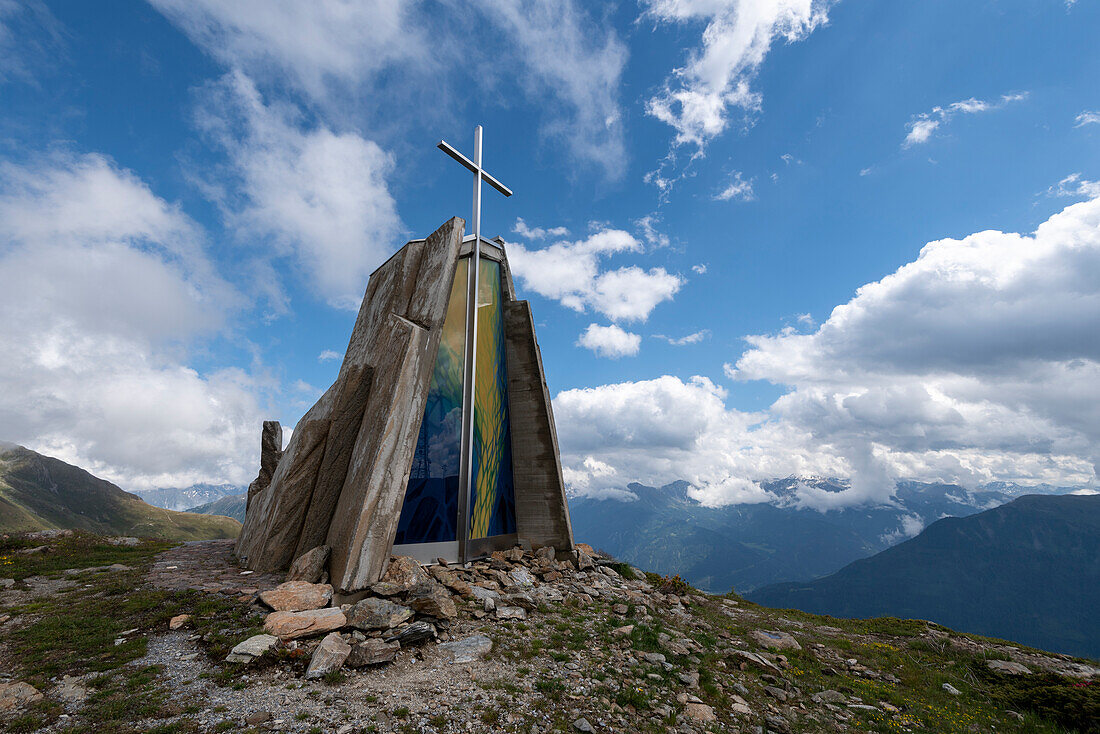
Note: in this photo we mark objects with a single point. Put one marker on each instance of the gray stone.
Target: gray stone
(252, 648)
(582, 725)
(328, 657)
(521, 576)
(413, 634)
(468, 649)
(7, 583)
(775, 640)
(511, 613)
(546, 554)
(123, 540)
(372, 651)
(432, 599)
(310, 565)
(777, 693)
(71, 690)
(16, 694)
(829, 696)
(377, 614)
(699, 712)
(271, 450)
(1008, 667)
(952, 689)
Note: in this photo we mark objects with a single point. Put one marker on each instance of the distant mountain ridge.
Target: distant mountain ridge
(1027, 571)
(182, 499)
(232, 505)
(745, 547)
(39, 492)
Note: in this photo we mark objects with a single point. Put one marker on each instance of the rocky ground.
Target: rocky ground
(127, 635)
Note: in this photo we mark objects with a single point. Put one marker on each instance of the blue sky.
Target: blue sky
(193, 193)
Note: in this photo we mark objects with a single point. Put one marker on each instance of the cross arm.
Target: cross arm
(450, 150)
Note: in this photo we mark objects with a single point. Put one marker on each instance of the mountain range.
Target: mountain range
(231, 505)
(1027, 571)
(184, 498)
(745, 547)
(39, 493)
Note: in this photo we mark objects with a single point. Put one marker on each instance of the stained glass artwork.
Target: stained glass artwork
(430, 511)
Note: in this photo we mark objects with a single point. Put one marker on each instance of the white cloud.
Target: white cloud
(909, 526)
(978, 361)
(648, 226)
(806, 320)
(738, 189)
(1074, 185)
(328, 355)
(103, 285)
(317, 195)
(699, 269)
(922, 126)
(537, 233)
(31, 37)
(697, 97)
(609, 341)
(1088, 117)
(569, 273)
(312, 45)
(693, 338)
(580, 63)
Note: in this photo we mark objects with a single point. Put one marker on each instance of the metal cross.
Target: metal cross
(466, 461)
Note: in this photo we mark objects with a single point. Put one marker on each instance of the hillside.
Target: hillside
(229, 506)
(39, 492)
(173, 640)
(1027, 571)
(745, 547)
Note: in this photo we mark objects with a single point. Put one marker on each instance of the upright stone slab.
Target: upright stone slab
(542, 511)
(343, 478)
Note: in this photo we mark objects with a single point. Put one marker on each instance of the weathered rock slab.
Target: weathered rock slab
(297, 596)
(775, 640)
(377, 614)
(372, 652)
(468, 649)
(17, 694)
(310, 565)
(328, 657)
(252, 648)
(292, 625)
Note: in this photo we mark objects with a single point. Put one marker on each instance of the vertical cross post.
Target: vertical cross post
(466, 458)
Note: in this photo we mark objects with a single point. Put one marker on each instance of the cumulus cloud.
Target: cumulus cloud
(921, 128)
(319, 196)
(569, 272)
(696, 98)
(909, 526)
(738, 189)
(609, 341)
(978, 361)
(103, 286)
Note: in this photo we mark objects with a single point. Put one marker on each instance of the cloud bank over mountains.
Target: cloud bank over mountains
(979, 360)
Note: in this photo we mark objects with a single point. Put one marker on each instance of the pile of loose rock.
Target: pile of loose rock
(410, 605)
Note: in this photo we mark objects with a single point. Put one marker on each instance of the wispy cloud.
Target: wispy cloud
(1088, 117)
(738, 189)
(693, 338)
(1074, 185)
(328, 355)
(923, 126)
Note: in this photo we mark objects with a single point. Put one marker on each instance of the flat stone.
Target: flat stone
(582, 725)
(386, 588)
(297, 596)
(377, 614)
(123, 540)
(699, 712)
(775, 640)
(17, 694)
(71, 690)
(414, 633)
(310, 565)
(689, 678)
(328, 657)
(252, 648)
(755, 659)
(829, 696)
(777, 693)
(624, 631)
(372, 651)
(654, 657)
(546, 554)
(1008, 667)
(178, 621)
(258, 718)
(7, 583)
(511, 613)
(468, 649)
(292, 625)
(952, 689)
(521, 576)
